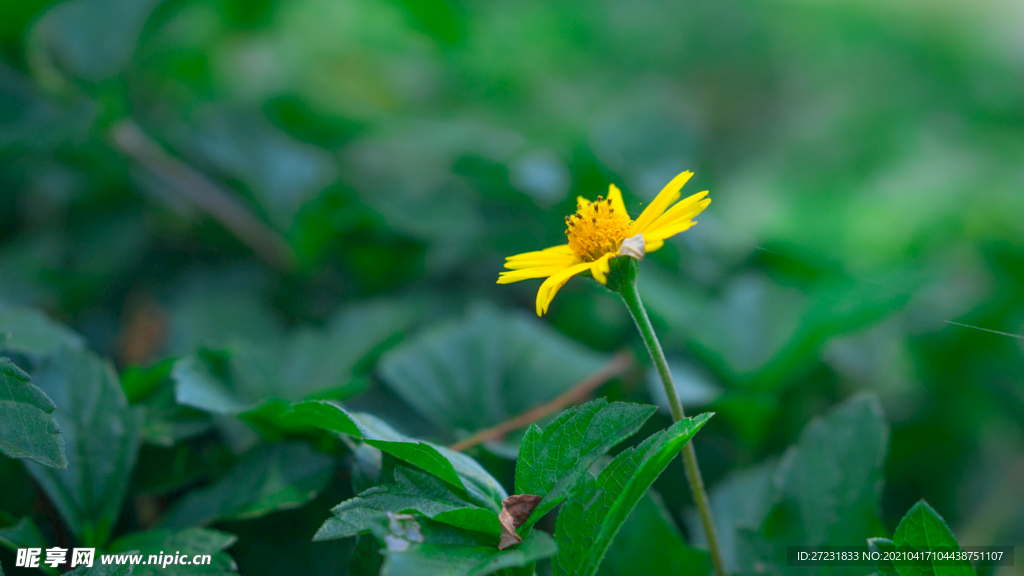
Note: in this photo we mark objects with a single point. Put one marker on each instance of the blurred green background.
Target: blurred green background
(182, 173)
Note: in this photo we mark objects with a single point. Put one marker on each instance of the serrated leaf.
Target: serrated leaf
(553, 461)
(102, 434)
(598, 507)
(413, 491)
(828, 488)
(650, 543)
(268, 478)
(923, 529)
(500, 363)
(455, 468)
(33, 333)
(191, 541)
(27, 426)
(426, 548)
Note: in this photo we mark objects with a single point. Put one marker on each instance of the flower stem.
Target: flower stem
(631, 297)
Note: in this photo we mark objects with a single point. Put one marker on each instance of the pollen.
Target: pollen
(595, 229)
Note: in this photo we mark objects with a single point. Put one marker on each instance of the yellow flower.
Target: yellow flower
(596, 232)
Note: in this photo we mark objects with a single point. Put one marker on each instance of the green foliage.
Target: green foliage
(190, 542)
(599, 506)
(921, 530)
(98, 427)
(424, 547)
(649, 542)
(457, 469)
(268, 478)
(282, 223)
(500, 363)
(552, 462)
(27, 427)
(833, 472)
(413, 491)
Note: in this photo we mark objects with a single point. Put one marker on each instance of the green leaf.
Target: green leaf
(455, 468)
(833, 472)
(413, 491)
(102, 434)
(94, 39)
(740, 501)
(25, 534)
(500, 363)
(311, 363)
(167, 422)
(923, 529)
(190, 542)
(33, 333)
(27, 426)
(598, 507)
(268, 478)
(552, 462)
(427, 548)
(885, 566)
(650, 543)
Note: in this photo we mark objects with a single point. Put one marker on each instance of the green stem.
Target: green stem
(631, 297)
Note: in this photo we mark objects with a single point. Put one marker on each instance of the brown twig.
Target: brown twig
(617, 365)
(194, 186)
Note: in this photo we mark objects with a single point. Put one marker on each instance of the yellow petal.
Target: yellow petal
(522, 263)
(600, 267)
(683, 211)
(581, 201)
(552, 285)
(560, 249)
(527, 273)
(668, 231)
(616, 198)
(652, 245)
(664, 199)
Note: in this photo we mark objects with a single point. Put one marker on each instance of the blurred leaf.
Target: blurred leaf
(500, 363)
(33, 333)
(190, 541)
(311, 362)
(267, 479)
(650, 543)
(827, 489)
(167, 422)
(739, 501)
(598, 507)
(94, 39)
(692, 385)
(923, 529)
(551, 463)
(455, 468)
(426, 548)
(412, 492)
(102, 434)
(31, 120)
(282, 172)
(27, 427)
(25, 534)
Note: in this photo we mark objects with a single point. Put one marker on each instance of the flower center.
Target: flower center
(596, 229)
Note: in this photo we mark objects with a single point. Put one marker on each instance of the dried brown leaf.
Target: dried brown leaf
(514, 512)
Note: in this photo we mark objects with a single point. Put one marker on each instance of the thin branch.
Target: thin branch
(205, 194)
(619, 364)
